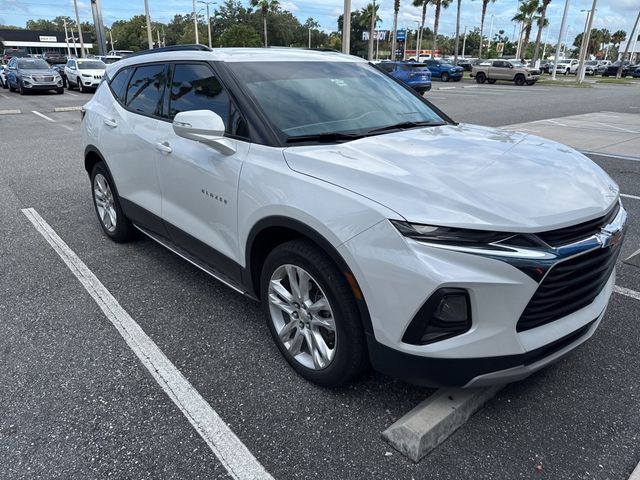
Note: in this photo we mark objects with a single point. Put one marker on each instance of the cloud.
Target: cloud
(289, 6)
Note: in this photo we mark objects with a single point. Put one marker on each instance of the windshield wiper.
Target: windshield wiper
(404, 126)
(324, 137)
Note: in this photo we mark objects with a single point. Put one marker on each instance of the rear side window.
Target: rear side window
(145, 89)
(195, 87)
(387, 67)
(119, 84)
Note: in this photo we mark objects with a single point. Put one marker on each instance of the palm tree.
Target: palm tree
(542, 10)
(525, 16)
(369, 18)
(439, 5)
(485, 4)
(618, 37)
(396, 9)
(265, 6)
(423, 4)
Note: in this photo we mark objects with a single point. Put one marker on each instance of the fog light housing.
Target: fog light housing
(446, 314)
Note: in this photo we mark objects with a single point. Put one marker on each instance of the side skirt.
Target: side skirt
(221, 277)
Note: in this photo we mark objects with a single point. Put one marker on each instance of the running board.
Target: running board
(193, 261)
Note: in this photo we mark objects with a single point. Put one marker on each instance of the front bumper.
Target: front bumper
(42, 86)
(474, 372)
(397, 276)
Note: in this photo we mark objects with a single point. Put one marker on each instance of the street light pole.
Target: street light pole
(208, 18)
(148, 17)
(195, 21)
(562, 28)
(346, 27)
(82, 52)
(455, 55)
(66, 37)
(586, 35)
(464, 40)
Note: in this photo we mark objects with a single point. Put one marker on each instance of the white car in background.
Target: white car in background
(373, 228)
(84, 73)
(564, 66)
(3, 76)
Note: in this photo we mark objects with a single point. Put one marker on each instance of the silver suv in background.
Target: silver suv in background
(32, 74)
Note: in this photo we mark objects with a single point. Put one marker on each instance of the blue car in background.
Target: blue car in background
(415, 75)
(444, 70)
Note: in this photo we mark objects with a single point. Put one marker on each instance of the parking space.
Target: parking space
(78, 402)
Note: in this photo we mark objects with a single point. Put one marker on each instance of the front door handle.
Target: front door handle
(109, 122)
(164, 147)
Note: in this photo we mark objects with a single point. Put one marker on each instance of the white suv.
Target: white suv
(84, 73)
(374, 229)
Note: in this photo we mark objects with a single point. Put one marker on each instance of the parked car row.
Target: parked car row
(26, 74)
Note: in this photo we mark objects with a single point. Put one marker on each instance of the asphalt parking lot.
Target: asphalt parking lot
(77, 402)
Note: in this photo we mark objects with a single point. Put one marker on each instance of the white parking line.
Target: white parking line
(626, 195)
(67, 109)
(626, 292)
(232, 453)
(4, 96)
(43, 116)
(635, 475)
(67, 127)
(72, 94)
(9, 112)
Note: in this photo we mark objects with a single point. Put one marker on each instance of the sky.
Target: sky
(611, 14)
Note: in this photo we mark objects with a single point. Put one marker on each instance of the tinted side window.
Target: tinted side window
(195, 87)
(119, 84)
(387, 67)
(145, 89)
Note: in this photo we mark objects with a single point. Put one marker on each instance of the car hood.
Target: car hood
(465, 176)
(92, 71)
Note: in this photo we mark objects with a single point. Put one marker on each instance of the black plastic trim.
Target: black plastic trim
(418, 325)
(457, 372)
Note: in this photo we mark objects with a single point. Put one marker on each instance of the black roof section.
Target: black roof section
(20, 35)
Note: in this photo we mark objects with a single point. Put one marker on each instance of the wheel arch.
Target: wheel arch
(272, 231)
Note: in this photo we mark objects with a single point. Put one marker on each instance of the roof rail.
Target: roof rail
(173, 48)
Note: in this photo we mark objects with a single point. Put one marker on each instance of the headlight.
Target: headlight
(448, 235)
(86, 75)
(57, 77)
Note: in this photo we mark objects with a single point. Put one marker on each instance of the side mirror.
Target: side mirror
(511, 65)
(203, 126)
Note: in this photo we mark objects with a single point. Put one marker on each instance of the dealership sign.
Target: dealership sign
(48, 39)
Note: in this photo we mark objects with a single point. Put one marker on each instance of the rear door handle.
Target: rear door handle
(109, 122)
(164, 147)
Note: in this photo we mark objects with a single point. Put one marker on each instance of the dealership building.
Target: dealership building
(40, 41)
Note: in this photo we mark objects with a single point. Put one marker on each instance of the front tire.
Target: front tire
(107, 206)
(81, 89)
(481, 78)
(444, 77)
(519, 80)
(21, 89)
(312, 314)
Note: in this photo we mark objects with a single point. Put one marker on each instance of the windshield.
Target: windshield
(110, 60)
(34, 64)
(312, 98)
(517, 64)
(92, 65)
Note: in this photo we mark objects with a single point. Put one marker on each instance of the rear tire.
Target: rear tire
(334, 328)
(481, 78)
(519, 80)
(107, 206)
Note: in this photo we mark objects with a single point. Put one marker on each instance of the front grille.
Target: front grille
(569, 286)
(98, 77)
(43, 79)
(574, 233)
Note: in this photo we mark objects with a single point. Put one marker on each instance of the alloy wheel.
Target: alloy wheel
(105, 203)
(302, 317)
